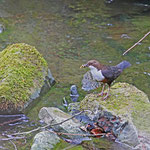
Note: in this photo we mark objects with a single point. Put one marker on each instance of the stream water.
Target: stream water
(70, 32)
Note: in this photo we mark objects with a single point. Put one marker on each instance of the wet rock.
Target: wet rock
(108, 115)
(128, 112)
(45, 141)
(74, 93)
(88, 83)
(129, 136)
(51, 115)
(84, 119)
(24, 77)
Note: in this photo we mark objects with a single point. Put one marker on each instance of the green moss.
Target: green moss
(126, 101)
(98, 143)
(64, 145)
(22, 68)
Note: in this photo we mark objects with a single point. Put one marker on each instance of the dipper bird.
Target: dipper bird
(103, 73)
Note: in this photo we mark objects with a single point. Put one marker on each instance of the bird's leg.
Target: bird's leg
(102, 92)
(107, 95)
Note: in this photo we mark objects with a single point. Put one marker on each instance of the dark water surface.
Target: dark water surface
(70, 32)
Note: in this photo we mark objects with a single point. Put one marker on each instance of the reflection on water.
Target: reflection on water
(68, 33)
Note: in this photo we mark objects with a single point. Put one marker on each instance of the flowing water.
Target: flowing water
(70, 32)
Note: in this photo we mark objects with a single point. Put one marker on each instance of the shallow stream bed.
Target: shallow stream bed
(70, 32)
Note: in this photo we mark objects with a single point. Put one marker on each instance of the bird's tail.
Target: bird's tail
(123, 65)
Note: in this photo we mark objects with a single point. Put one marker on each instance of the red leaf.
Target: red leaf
(96, 131)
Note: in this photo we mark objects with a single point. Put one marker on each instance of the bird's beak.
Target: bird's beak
(83, 66)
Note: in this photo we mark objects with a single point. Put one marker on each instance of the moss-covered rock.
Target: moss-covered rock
(23, 73)
(129, 103)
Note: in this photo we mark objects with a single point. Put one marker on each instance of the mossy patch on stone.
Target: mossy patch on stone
(126, 101)
(22, 70)
(98, 143)
(64, 145)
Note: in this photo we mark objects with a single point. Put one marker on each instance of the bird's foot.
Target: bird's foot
(106, 97)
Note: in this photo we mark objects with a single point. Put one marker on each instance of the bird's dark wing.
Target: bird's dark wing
(88, 83)
(111, 73)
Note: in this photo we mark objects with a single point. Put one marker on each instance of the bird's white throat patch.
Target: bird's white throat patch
(97, 74)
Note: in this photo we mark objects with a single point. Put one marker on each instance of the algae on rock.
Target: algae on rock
(125, 100)
(130, 104)
(23, 71)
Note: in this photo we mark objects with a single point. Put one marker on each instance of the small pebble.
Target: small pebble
(109, 1)
(137, 63)
(109, 24)
(125, 36)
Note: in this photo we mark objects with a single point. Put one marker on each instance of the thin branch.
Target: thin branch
(11, 121)
(88, 135)
(48, 125)
(67, 119)
(28, 132)
(13, 144)
(11, 138)
(17, 115)
(137, 42)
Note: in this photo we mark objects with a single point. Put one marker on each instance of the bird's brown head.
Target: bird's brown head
(93, 63)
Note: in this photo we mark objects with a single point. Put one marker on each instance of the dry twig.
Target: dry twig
(137, 42)
(86, 135)
(11, 138)
(48, 125)
(13, 144)
(11, 121)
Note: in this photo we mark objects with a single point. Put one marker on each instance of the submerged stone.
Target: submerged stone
(24, 75)
(74, 93)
